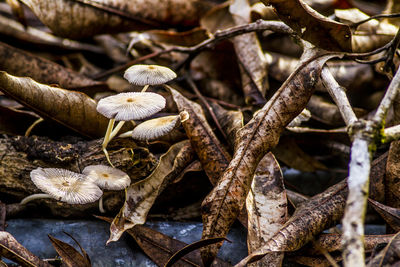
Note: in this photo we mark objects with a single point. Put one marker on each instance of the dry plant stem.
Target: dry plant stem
(101, 206)
(29, 130)
(338, 95)
(259, 25)
(145, 88)
(34, 197)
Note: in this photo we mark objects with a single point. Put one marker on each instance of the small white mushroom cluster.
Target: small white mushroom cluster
(75, 188)
(138, 105)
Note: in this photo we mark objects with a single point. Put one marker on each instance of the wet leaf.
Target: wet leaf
(70, 256)
(11, 249)
(266, 208)
(223, 204)
(389, 256)
(315, 215)
(88, 18)
(159, 247)
(20, 63)
(252, 63)
(72, 109)
(389, 214)
(212, 155)
(141, 195)
(312, 26)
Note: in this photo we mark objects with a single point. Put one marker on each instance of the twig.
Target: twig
(209, 108)
(338, 95)
(259, 25)
(387, 100)
(392, 133)
(380, 16)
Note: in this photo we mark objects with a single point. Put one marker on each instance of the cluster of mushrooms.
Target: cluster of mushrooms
(75, 188)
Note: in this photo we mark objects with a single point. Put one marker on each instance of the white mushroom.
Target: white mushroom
(63, 185)
(145, 75)
(152, 129)
(106, 177)
(127, 107)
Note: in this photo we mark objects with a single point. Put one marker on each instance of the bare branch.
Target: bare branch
(338, 94)
(392, 133)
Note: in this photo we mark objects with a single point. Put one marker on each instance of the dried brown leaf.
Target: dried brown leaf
(73, 109)
(11, 249)
(159, 247)
(293, 156)
(223, 204)
(312, 26)
(17, 10)
(70, 256)
(389, 256)
(141, 196)
(391, 180)
(266, 208)
(32, 36)
(231, 121)
(389, 214)
(315, 215)
(212, 155)
(8, 117)
(85, 18)
(20, 63)
(252, 63)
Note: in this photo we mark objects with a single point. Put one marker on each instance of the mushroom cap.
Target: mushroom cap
(131, 106)
(107, 177)
(155, 128)
(149, 74)
(65, 185)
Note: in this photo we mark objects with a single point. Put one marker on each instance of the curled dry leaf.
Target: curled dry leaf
(33, 36)
(315, 215)
(389, 214)
(11, 249)
(72, 109)
(253, 65)
(231, 121)
(392, 182)
(88, 18)
(223, 204)
(70, 256)
(266, 208)
(159, 247)
(141, 196)
(389, 256)
(212, 155)
(312, 26)
(20, 63)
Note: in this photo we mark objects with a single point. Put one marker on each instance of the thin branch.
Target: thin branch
(209, 108)
(338, 94)
(380, 16)
(387, 100)
(392, 134)
(259, 25)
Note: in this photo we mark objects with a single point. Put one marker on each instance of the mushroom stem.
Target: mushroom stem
(145, 88)
(107, 139)
(126, 134)
(33, 197)
(116, 130)
(101, 207)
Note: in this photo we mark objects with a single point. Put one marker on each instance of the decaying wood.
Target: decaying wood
(20, 155)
